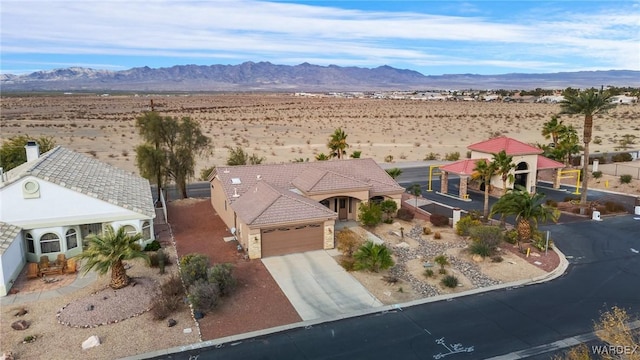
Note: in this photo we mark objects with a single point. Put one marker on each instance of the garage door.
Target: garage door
(292, 239)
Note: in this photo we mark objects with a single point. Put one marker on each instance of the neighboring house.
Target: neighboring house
(49, 204)
(527, 159)
(278, 209)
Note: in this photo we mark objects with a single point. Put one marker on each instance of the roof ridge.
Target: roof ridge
(266, 207)
(293, 196)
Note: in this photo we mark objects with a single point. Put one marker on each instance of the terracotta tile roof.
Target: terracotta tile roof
(509, 145)
(316, 180)
(462, 167)
(546, 163)
(8, 233)
(88, 176)
(266, 204)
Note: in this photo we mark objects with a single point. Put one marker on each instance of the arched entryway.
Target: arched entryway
(345, 206)
(521, 173)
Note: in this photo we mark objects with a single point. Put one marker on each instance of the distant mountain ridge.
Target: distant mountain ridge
(265, 76)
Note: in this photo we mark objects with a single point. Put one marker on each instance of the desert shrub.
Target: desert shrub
(490, 235)
(439, 220)
(454, 156)
(428, 273)
(193, 268)
(348, 263)
(348, 242)
(625, 179)
(156, 257)
(370, 213)
(449, 281)
(222, 275)
(539, 240)
(426, 230)
(497, 259)
(152, 246)
(204, 295)
(621, 157)
(373, 257)
(431, 156)
(441, 260)
(466, 223)
(169, 300)
(388, 207)
(480, 248)
(405, 214)
(570, 198)
(597, 174)
(511, 236)
(442, 271)
(437, 235)
(613, 207)
(551, 202)
(388, 158)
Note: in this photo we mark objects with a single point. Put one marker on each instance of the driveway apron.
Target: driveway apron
(317, 286)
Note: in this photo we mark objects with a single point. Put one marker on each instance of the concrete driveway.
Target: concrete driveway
(317, 286)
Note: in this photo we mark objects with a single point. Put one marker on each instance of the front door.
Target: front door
(342, 209)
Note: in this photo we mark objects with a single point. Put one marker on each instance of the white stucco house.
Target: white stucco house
(49, 204)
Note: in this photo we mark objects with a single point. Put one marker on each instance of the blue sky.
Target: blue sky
(432, 37)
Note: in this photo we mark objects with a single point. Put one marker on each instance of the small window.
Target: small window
(146, 230)
(130, 230)
(30, 244)
(49, 243)
(72, 239)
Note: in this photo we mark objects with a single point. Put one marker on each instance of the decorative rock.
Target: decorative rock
(477, 258)
(7, 356)
(172, 323)
(186, 331)
(21, 312)
(89, 307)
(105, 297)
(197, 314)
(20, 325)
(403, 245)
(92, 341)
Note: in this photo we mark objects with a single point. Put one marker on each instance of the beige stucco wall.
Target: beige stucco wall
(329, 235)
(531, 160)
(218, 199)
(254, 244)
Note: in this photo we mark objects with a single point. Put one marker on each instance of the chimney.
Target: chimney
(33, 151)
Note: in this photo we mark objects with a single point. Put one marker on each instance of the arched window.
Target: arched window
(31, 248)
(130, 230)
(146, 230)
(72, 239)
(49, 243)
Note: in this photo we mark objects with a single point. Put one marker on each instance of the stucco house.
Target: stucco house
(278, 209)
(527, 159)
(49, 204)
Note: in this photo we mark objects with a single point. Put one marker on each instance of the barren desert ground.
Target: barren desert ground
(283, 127)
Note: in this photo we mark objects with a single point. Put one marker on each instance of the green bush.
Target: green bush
(348, 263)
(370, 213)
(152, 246)
(373, 257)
(511, 236)
(405, 214)
(449, 281)
(169, 300)
(539, 240)
(204, 295)
(489, 236)
(551, 202)
(222, 275)
(454, 156)
(426, 230)
(441, 260)
(613, 207)
(479, 248)
(156, 257)
(597, 174)
(428, 273)
(431, 156)
(466, 223)
(621, 157)
(439, 220)
(193, 268)
(625, 179)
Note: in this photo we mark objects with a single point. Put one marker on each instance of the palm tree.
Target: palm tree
(107, 251)
(394, 173)
(551, 129)
(528, 208)
(338, 143)
(416, 191)
(322, 157)
(588, 103)
(373, 257)
(484, 170)
(503, 165)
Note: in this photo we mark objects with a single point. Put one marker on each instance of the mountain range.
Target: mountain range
(265, 76)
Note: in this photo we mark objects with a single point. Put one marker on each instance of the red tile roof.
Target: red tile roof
(461, 167)
(546, 163)
(509, 145)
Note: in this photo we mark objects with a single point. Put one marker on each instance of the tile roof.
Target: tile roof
(546, 163)
(266, 204)
(8, 233)
(316, 180)
(509, 145)
(88, 176)
(461, 167)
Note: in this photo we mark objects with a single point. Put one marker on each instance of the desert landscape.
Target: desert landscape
(284, 127)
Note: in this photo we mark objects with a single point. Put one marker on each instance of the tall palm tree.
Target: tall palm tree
(588, 103)
(484, 170)
(552, 128)
(107, 251)
(529, 209)
(394, 173)
(503, 164)
(338, 143)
